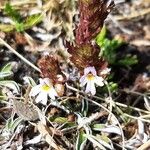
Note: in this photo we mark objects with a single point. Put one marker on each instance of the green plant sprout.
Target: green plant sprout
(19, 23)
(6, 72)
(109, 50)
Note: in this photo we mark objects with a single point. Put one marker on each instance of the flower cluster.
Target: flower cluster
(52, 82)
(84, 55)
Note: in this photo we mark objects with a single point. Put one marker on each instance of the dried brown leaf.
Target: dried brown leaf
(26, 111)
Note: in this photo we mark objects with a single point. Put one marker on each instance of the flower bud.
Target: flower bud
(60, 89)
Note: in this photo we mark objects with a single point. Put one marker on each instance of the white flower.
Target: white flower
(44, 90)
(89, 79)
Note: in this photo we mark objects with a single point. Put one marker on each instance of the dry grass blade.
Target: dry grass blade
(18, 55)
(145, 146)
(45, 132)
(123, 138)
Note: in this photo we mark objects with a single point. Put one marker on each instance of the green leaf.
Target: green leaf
(33, 20)
(6, 71)
(29, 80)
(15, 16)
(13, 13)
(12, 124)
(19, 24)
(3, 97)
(7, 67)
(85, 107)
(81, 140)
(108, 47)
(101, 36)
(60, 120)
(95, 141)
(98, 126)
(15, 123)
(8, 124)
(113, 86)
(6, 27)
(99, 141)
(114, 44)
(5, 74)
(128, 60)
(10, 84)
(19, 27)
(109, 50)
(106, 129)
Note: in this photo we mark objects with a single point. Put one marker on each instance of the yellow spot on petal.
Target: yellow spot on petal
(46, 87)
(90, 77)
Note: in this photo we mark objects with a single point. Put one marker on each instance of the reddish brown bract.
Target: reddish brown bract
(92, 16)
(85, 55)
(49, 67)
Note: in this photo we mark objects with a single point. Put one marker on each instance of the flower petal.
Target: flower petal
(93, 89)
(93, 71)
(35, 90)
(90, 69)
(82, 78)
(86, 71)
(99, 81)
(44, 101)
(42, 98)
(41, 81)
(52, 93)
(83, 81)
(47, 82)
(90, 88)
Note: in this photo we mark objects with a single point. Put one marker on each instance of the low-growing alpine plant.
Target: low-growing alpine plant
(56, 87)
(92, 70)
(84, 54)
(72, 103)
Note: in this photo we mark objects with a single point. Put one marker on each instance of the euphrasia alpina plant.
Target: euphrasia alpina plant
(84, 55)
(52, 83)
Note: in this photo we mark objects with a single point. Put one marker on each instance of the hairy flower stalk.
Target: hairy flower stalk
(92, 16)
(85, 53)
